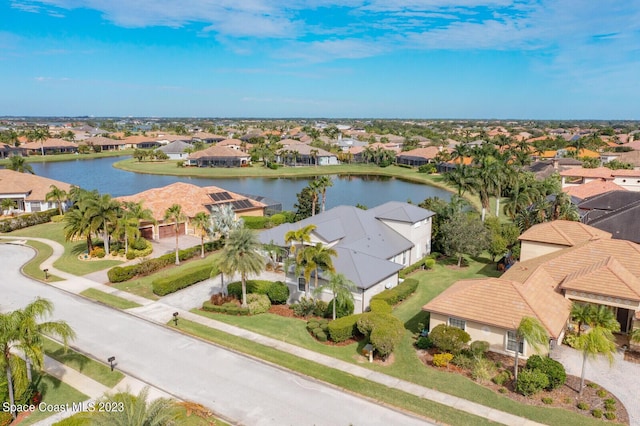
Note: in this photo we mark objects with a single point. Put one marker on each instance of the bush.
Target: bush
(482, 370)
(304, 307)
(601, 393)
(597, 413)
(463, 360)
(531, 382)
(253, 286)
(311, 324)
(547, 400)
(26, 220)
(341, 311)
(429, 263)
(427, 168)
(502, 377)
(278, 293)
(141, 248)
(130, 255)
(554, 371)
(171, 284)
(97, 252)
(258, 303)
(442, 360)
(118, 274)
(398, 293)
(256, 222)
(386, 335)
(228, 308)
(220, 299)
(610, 404)
(424, 342)
(610, 415)
(278, 219)
(343, 328)
(411, 268)
(503, 390)
(449, 339)
(478, 348)
(320, 309)
(321, 336)
(583, 405)
(379, 306)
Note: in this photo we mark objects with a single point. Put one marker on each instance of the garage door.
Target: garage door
(166, 231)
(147, 233)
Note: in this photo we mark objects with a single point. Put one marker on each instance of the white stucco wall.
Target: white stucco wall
(533, 249)
(418, 233)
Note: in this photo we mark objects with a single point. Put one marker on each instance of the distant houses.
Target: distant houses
(218, 156)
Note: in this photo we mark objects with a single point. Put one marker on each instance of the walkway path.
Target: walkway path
(162, 311)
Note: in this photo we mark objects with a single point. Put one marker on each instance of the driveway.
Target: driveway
(232, 385)
(620, 378)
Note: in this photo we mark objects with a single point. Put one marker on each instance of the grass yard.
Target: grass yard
(143, 286)
(69, 261)
(53, 392)
(32, 267)
(109, 299)
(71, 157)
(98, 371)
(343, 380)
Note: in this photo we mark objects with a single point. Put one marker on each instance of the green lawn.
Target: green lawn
(143, 287)
(338, 378)
(69, 261)
(71, 157)
(407, 365)
(109, 299)
(98, 371)
(53, 392)
(32, 268)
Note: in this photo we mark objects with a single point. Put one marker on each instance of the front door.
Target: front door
(623, 317)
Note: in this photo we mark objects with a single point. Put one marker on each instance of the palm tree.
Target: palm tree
(241, 255)
(103, 211)
(598, 341)
(602, 316)
(223, 220)
(131, 215)
(174, 214)
(313, 187)
(462, 177)
(580, 313)
(7, 205)
(340, 287)
(323, 183)
(201, 222)
(302, 235)
(78, 220)
(22, 330)
(533, 332)
(58, 195)
(17, 163)
(39, 134)
(313, 259)
(138, 411)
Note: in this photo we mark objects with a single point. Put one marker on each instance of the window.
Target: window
(458, 323)
(511, 342)
(301, 283)
(404, 257)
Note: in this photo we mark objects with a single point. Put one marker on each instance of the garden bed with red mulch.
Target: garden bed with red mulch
(565, 397)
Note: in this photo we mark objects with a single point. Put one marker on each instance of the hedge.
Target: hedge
(26, 220)
(278, 293)
(343, 328)
(554, 370)
(253, 286)
(258, 303)
(167, 285)
(386, 335)
(379, 306)
(530, 382)
(227, 308)
(256, 222)
(398, 293)
(341, 310)
(409, 269)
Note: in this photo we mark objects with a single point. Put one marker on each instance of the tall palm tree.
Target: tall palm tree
(462, 177)
(39, 134)
(174, 214)
(134, 212)
(534, 333)
(103, 211)
(340, 287)
(17, 163)
(78, 222)
(313, 259)
(598, 341)
(324, 182)
(138, 411)
(301, 236)
(241, 254)
(581, 314)
(58, 195)
(7, 205)
(313, 187)
(22, 329)
(603, 316)
(201, 223)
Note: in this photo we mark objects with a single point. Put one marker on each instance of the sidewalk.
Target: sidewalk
(161, 312)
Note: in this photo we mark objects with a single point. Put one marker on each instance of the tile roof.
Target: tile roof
(563, 232)
(102, 141)
(49, 143)
(606, 277)
(36, 187)
(592, 188)
(218, 151)
(598, 172)
(428, 153)
(176, 147)
(192, 198)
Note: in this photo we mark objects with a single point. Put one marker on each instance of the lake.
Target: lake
(350, 190)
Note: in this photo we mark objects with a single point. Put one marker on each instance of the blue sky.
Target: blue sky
(555, 59)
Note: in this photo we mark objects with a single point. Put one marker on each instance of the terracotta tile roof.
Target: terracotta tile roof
(606, 277)
(218, 151)
(627, 173)
(192, 198)
(598, 172)
(49, 143)
(36, 187)
(102, 141)
(230, 142)
(563, 232)
(592, 188)
(137, 139)
(428, 152)
(503, 303)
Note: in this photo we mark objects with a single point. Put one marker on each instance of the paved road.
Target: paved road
(237, 387)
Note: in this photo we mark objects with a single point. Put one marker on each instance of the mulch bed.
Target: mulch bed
(565, 397)
(632, 356)
(282, 310)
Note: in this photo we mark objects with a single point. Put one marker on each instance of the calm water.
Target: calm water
(350, 190)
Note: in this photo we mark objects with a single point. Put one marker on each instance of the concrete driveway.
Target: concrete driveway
(232, 385)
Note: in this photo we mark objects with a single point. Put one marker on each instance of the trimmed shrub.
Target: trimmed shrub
(442, 360)
(547, 400)
(320, 308)
(141, 248)
(118, 274)
(26, 220)
(601, 393)
(424, 342)
(343, 328)
(597, 413)
(321, 336)
(304, 307)
(341, 311)
(278, 219)
(278, 293)
(502, 377)
(379, 306)
(398, 293)
(503, 390)
(258, 303)
(479, 347)
(220, 299)
(583, 405)
(429, 263)
(609, 415)
(253, 286)
(385, 336)
(531, 382)
(554, 371)
(171, 284)
(227, 308)
(256, 222)
(98, 252)
(449, 339)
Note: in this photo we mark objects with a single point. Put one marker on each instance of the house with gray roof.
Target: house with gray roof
(177, 150)
(372, 245)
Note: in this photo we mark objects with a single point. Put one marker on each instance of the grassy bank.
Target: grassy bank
(71, 157)
(109, 299)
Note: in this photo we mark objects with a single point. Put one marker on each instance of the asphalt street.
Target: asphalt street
(237, 387)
